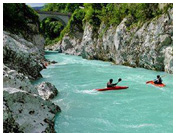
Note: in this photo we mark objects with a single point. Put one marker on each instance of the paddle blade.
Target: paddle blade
(119, 80)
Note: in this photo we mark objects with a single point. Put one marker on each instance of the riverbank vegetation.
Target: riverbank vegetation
(110, 14)
(17, 17)
(51, 29)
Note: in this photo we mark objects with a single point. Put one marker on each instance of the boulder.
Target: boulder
(46, 90)
(28, 113)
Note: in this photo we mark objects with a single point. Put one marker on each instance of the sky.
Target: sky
(35, 4)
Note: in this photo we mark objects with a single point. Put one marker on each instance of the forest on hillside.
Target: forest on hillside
(110, 14)
(17, 16)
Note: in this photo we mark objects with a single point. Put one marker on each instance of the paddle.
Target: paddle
(119, 80)
(163, 76)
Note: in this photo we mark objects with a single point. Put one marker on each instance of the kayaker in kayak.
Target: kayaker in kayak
(110, 84)
(158, 80)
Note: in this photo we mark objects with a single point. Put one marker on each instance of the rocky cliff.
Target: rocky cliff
(26, 108)
(22, 55)
(148, 46)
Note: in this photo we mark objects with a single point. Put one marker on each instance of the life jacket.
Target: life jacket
(160, 81)
(108, 83)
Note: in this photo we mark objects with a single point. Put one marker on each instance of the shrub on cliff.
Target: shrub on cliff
(62, 7)
(75, 23)
(17, 16)
(92, 13)
(110, 14)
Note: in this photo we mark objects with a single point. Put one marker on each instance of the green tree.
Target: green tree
(51, 29)
(17, 16)
(62, 7)
(111, 14)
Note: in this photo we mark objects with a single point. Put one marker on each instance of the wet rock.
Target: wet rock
(46, 90)
(53, 62)
(30, 111)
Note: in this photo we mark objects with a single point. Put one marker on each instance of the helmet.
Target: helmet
(110, 80)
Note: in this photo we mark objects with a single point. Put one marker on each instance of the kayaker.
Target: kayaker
(158, 80)
(110, 84)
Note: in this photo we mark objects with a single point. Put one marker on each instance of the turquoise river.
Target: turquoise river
(139, 109)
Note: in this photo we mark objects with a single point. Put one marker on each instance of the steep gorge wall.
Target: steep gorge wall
(149, 46)
(26, 108)
(22, 55)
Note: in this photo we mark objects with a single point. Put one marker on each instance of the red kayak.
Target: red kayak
(113, 88)
(159, 85)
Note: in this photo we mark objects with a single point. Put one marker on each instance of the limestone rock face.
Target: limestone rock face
(31, 113)
(21, 55)
(13, 79)
(34, 37)
(9, 124)
(145, 47)
(71, 46)
(46, 90)
(24, 110)
(149, 46)
(39, 41)
(68, 45)
(168, 60)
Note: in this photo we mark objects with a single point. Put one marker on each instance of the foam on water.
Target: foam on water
(141, 125)
(93, 92)
(140, 108)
